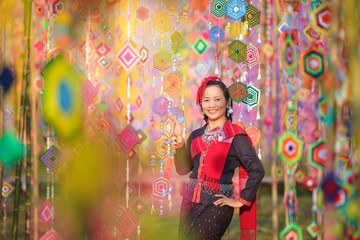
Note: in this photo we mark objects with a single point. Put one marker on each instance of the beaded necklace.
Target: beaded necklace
(216, 135)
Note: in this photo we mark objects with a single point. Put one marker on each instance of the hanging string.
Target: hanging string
(87, 48)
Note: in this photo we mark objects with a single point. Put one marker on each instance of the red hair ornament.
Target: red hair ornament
(201, 89)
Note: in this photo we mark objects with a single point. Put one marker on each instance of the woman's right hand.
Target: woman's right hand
(178, 130)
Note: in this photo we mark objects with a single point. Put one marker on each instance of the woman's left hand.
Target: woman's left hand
(227, 201)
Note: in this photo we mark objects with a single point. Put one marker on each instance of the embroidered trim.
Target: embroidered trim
(244, 202)
(224, 189)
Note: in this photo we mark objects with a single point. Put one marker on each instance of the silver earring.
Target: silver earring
(230, 111)
(203, 115)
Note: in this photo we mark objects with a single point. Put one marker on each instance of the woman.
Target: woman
(211, 154)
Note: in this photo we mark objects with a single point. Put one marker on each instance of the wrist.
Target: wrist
(240, 204)
(179, 142)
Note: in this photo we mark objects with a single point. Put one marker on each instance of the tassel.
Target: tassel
(241, 37)
(246, 26)
(312, 86)
(153, 81)
(210, 26)
(259, 39)
(259, 154)
(258, 115)
(259, 75)
(227, 29)
(216, 71)
(245, 73)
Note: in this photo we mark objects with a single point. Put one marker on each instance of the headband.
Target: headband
(201, 89)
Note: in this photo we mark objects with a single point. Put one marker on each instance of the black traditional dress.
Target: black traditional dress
(199, 217)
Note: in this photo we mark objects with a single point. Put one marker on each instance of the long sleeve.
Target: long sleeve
(246, 154)
(182, 158)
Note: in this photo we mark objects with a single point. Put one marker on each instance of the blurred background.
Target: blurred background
(86, 145)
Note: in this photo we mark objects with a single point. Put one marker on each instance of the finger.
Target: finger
(223, 204)
(217, 202)
(219, 195)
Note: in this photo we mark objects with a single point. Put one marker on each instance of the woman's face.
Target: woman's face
(214, 104)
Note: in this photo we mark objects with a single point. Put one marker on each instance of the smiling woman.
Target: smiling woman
(211, 154)
(214, 104)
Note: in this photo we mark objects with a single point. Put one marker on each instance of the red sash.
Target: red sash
(212, 159)
(212, 162)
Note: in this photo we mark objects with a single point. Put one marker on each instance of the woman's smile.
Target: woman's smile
(212, 111)
(214, 106)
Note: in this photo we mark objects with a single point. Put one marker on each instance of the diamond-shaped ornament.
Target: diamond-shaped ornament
(51, 235)
(104, 27)
(52, 158)
(168, 129)
(144, 54)
(103, 62)
(102, 49)
(119, 181)
(127, 223)
(87, 93)
(46, 213)
(119, 104)
(118, 211)
(139, 206)
(141, 135)
(127, 139)
(8, 113)
(7, 189)
(128, 56)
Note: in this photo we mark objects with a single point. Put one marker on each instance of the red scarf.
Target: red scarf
(212, 162)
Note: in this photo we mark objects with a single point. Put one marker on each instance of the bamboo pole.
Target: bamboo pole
(23, 103)
(274, 188)
(351, 17)
(35, 159)
(329, 221)
(28, 172)
(2, 104)
(277, 15)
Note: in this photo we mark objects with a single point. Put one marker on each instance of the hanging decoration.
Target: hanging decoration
(237, 51)
(313, 63)
(238, 91)
(91, 58)
(322, 18)
(236, 9)
(52, 158)
(252, 16)
(290, 148)
(218, 8)
(254, 134)
(253, 97)
(317, 154)
(62, 108)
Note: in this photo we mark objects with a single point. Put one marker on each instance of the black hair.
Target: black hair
(225, 91)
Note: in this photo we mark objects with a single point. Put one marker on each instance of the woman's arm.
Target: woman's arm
(248, 158)
(182, 158)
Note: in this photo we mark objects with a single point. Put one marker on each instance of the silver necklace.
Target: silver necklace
(208, 136)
